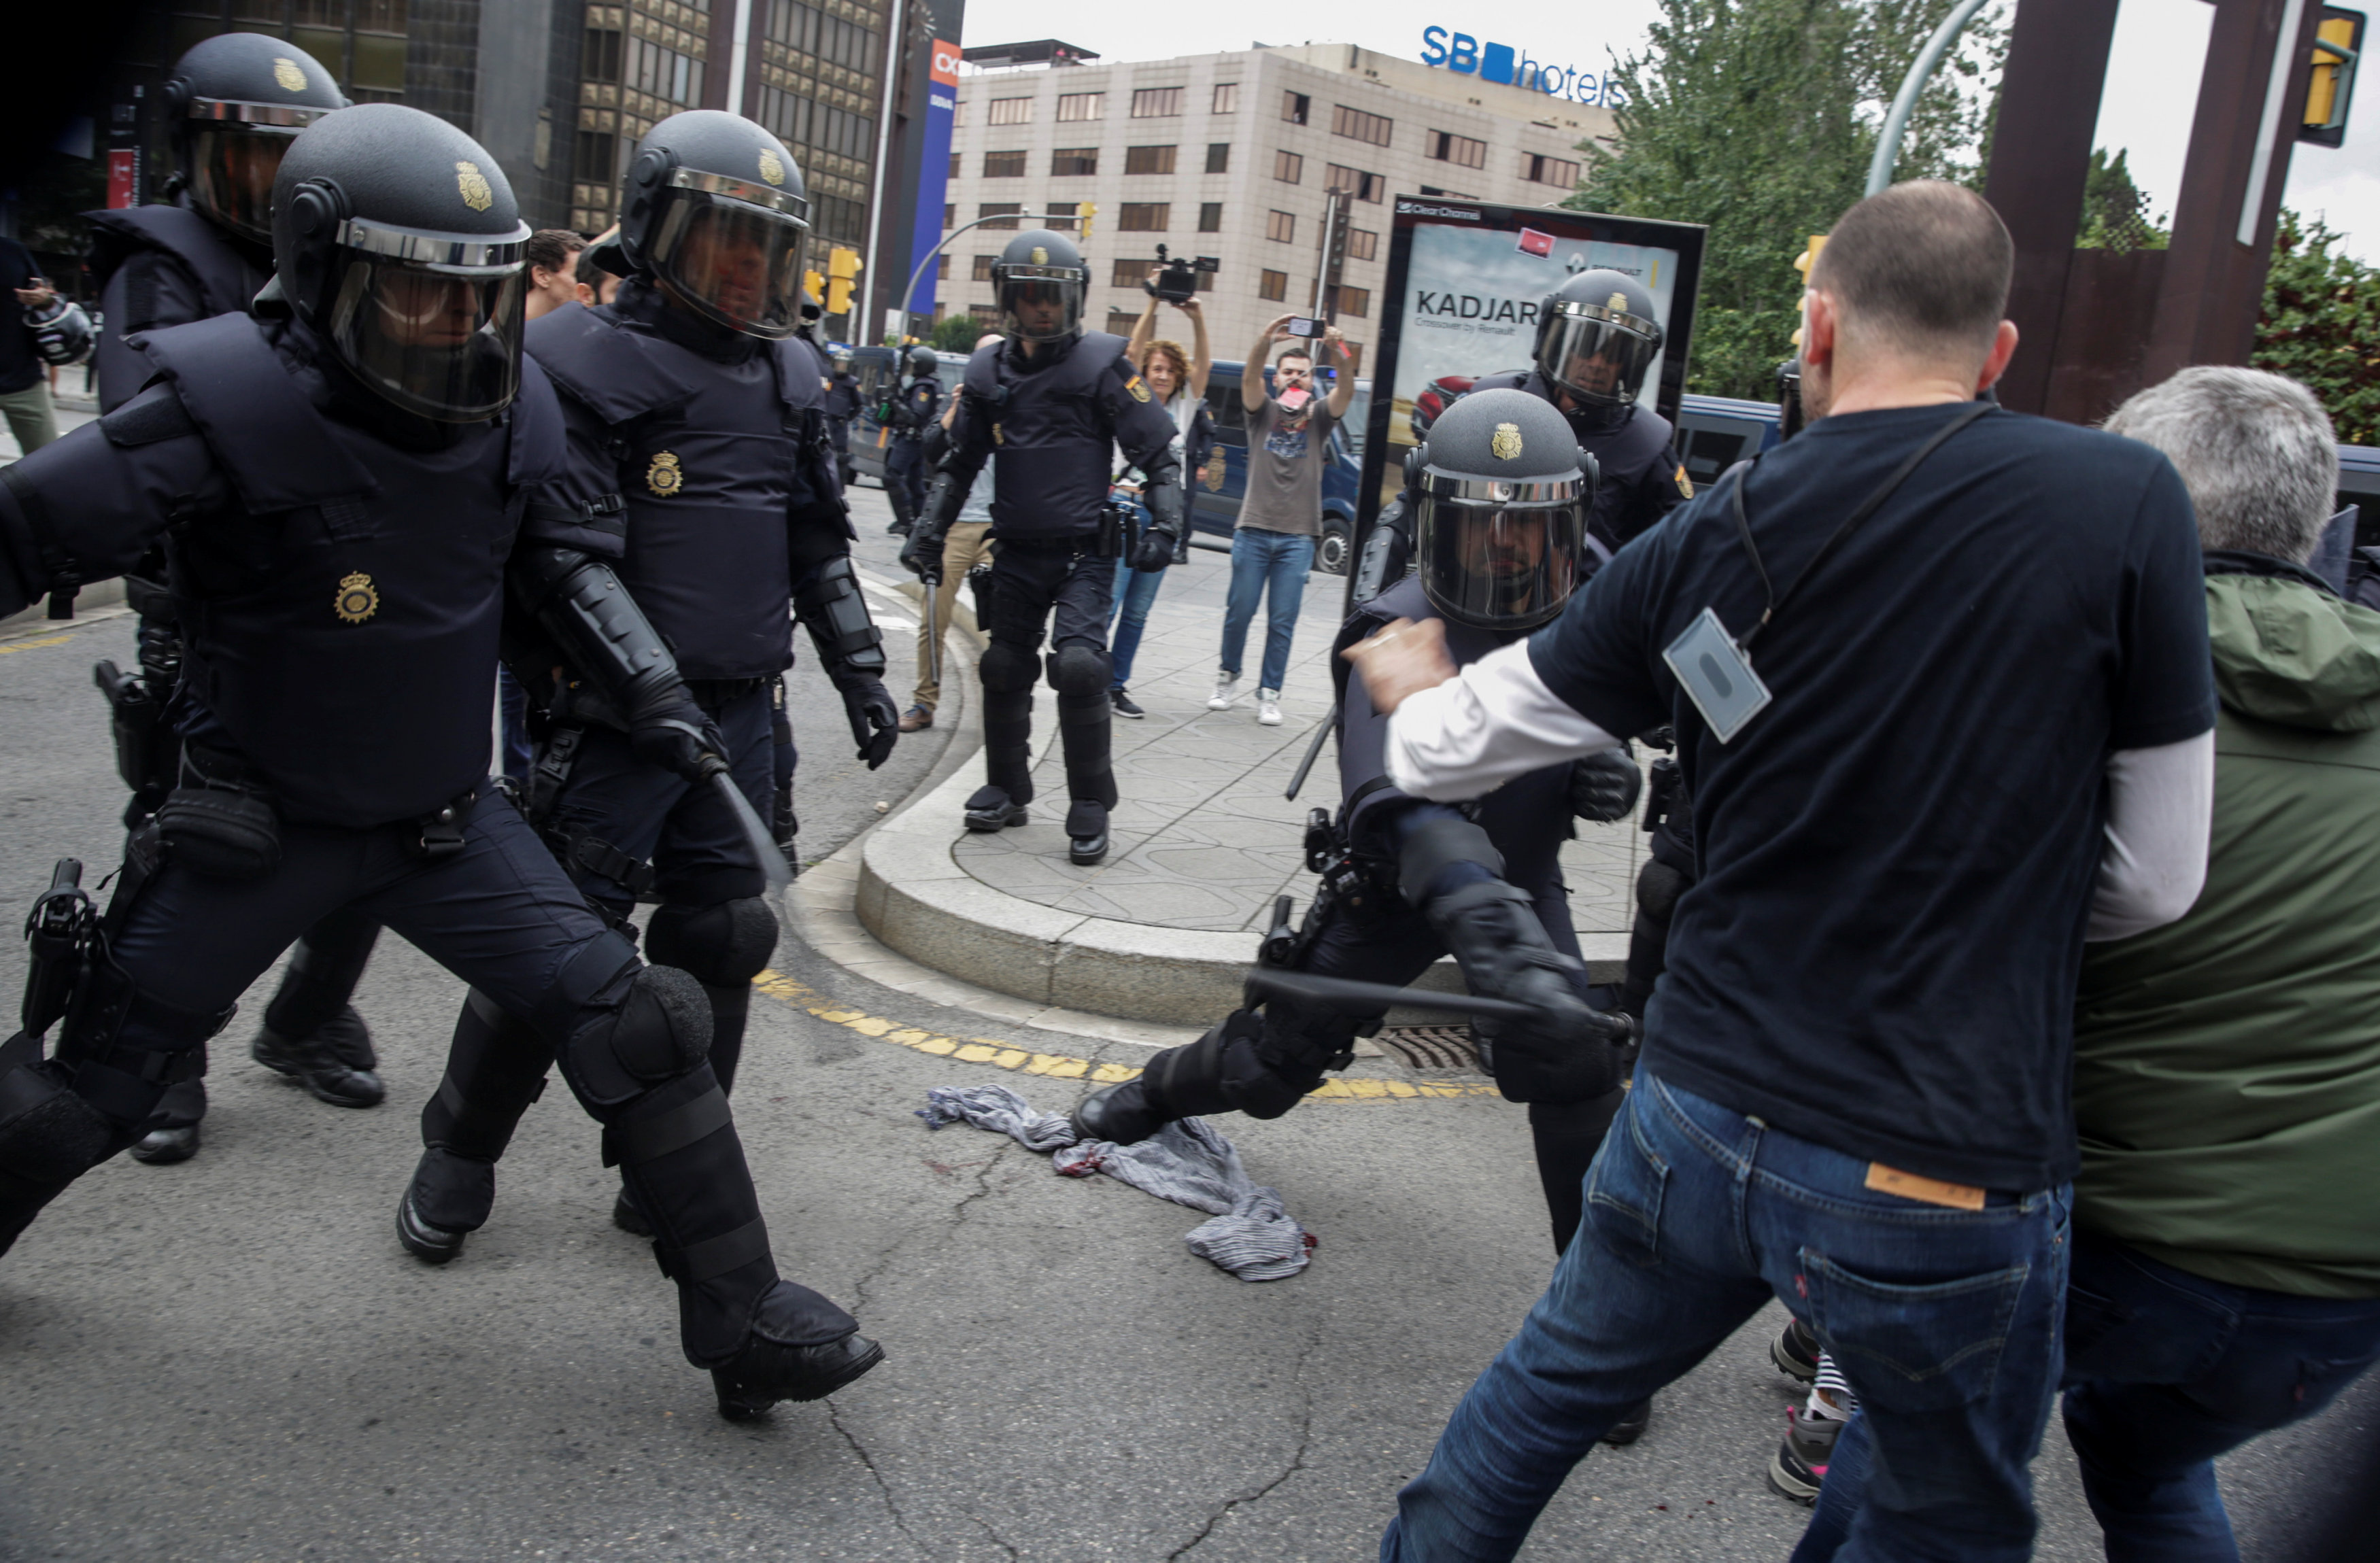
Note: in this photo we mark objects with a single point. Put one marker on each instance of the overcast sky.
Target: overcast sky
(2160, 47)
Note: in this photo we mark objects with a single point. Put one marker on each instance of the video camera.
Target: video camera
(1178, 282)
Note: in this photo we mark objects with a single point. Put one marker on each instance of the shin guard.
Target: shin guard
(495, 1068)
(324, 971)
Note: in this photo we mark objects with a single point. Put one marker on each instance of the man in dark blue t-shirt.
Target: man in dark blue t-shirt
(1941, 683)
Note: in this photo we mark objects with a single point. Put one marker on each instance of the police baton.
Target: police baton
(1345, 993)
(765, 852)
(1313, 752)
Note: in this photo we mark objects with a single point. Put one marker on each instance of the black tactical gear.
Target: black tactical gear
(717, 216)
(232, 106)
(1500, 499)
(1596, 336)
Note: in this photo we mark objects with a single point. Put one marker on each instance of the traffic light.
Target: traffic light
(1802, 263)
(814, 286)
(842, 266)
(1085, 211)
(2337, 46)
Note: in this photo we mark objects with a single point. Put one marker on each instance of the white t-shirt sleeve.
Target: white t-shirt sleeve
(2161, 809)
(1491, 723)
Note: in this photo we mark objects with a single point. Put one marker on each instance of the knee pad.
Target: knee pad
(1007, 669)
(721, 945)
(661, 1030)
(47, 1133)
(1251, 1084)
(1300, 1044)
(1081, 671)
(1658, 888)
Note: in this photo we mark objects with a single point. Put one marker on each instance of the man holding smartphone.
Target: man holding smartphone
(1272, 549)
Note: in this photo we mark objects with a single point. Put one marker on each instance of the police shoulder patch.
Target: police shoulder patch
(665, 477)
(357, 599)
(1132, 382)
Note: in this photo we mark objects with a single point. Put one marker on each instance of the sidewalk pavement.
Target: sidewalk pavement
(1203, 838)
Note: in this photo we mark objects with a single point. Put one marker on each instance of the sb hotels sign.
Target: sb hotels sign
(1501, 63)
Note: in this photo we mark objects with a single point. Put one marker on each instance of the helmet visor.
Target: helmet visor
(737, 263)
(1598, 355)
(442, 342)
(1042, 303)
(232, 167)
(1500, 566)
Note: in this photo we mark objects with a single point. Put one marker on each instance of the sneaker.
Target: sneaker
(1267, 708)
(1124, 706)
(1631, 1425)
(1795, 1352)
(1800, 1463)
(1227, 689)
(916, 719)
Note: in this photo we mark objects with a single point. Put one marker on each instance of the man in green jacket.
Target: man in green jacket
(2226, 1275)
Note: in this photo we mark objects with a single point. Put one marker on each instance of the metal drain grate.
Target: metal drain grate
(1430, 1048)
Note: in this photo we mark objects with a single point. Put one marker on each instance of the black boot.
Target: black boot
(321, 1061)
(990, 808)
(172, 1133)
(495, 1068)
(1090, 782)
(1176, 1084)
(312, 1032)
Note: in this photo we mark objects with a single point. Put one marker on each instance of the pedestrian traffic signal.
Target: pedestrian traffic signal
(1802, 263)
(2337, 46)
(843, 267)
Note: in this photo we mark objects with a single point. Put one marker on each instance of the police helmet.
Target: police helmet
(716, 213)
(1040, 281)
(234, 103)
(922, 362)
(1501, 492)
(396, 237)
(1596, 336)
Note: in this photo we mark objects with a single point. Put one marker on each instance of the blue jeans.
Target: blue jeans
(1945, 1320)
(1135, 590)
(2165, 1370)
(1262, 560)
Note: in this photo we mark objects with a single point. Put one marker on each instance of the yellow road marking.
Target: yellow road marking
(12, 646)
(1057, 1066)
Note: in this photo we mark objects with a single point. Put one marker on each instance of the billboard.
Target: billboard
(1464, 281)
(933, 174)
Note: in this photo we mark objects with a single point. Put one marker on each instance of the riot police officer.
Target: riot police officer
(348, 485)
(1502, 496)
(916, 408)
(695, 431)
(233, 103)
(1049, 406)
(1597, 337)
(842, 406)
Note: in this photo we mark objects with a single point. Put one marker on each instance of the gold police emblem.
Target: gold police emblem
(1618, 303)
(287, 77)
(1505, 443)
(1214, 475)
(1139, 392)
(664, 476)
(1040, 256)
(1685, 484)
(358, 599)
(773, 167)
(477, 194)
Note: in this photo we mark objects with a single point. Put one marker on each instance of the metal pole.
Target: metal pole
(919, 274)
(1905, 104)
(896, 62)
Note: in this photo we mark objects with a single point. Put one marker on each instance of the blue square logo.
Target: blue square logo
(1496, 63)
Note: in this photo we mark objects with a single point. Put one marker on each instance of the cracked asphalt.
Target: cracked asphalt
(234, 1360)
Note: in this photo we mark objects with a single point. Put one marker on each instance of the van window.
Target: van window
(1223, 404)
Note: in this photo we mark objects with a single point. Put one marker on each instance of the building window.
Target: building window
(1288, 167)
(958, 115)
(1123, 322)
(1539, 169)
(1363, 244)
(1004, 164)
(1447, 146)
(1296, 107)
(998, 209)
(1355, 182)
(1227, 97)
(1144, 216)
(942, 268)
(1218, 157)
(1130, 274)
(983, 267)
(1156, 102)
(1210, 216)
(1356, 125)
(1074, 107)
(954, 166)
(1346, 300)
(1063, 216)
(1011, 111)
(1281, 227)
(664, 73)
(592, 160)
(1074, 161)
(984, 314)
(1272, 286)
(600, 58)
(1148, 159)
(950, 215)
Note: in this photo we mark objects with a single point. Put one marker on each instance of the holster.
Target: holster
(1114, 529)
(148, 751)
(60, 933)
(218, 822)
(1663, 787)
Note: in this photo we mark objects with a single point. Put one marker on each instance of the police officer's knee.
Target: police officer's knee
(661, 1030)
(1079, 669)
(49, 1134)
(1007, 669)
(723, 944)
(1658, 890)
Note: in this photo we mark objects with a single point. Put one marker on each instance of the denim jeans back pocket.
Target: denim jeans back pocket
(1924, 1348)
(1623, 1190)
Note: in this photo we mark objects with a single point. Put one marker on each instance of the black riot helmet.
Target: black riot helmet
(1501, 492)
(716, 214)
(1040, 281)
(233, 105)
(394, 236)
(1596, 336)
(923, 364)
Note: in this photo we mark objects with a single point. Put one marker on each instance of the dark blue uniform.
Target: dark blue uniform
(841, 405)
(917, 408)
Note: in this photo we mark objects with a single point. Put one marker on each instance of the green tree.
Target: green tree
(1758, 118)
(955, 333)
(2116, 211)
(2321, 325)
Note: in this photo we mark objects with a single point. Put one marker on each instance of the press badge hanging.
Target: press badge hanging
(1716, 676)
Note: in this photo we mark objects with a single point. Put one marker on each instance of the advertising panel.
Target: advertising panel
(933, 173)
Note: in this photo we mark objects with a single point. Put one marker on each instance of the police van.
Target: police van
(878, 369)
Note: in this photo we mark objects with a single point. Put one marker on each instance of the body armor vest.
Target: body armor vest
(715, 462)
(341, 615)
(212, 275)
(1626, 452)
(1052, 440)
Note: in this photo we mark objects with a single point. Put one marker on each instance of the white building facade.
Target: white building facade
(1232, 156)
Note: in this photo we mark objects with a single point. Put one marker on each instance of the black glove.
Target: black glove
(1603, 785)
(1155, 548)
(1572, 1053)
(673, 732)
(875, 721)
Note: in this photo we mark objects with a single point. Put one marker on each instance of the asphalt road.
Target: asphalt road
(234, 1360)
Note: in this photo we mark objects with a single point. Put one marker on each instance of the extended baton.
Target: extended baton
(1347, 993)
(1313, 753)
(765, 851)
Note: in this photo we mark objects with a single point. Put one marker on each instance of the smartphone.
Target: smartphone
(1299, 325)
